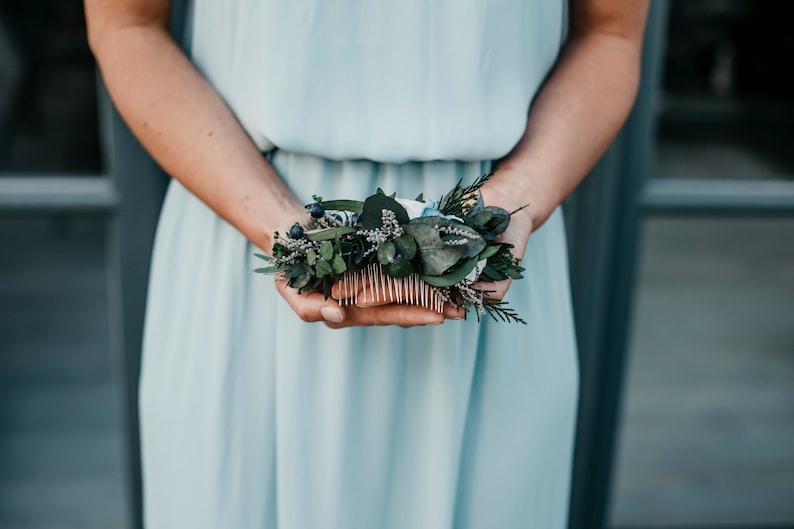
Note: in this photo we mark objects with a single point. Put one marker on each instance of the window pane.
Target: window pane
(48, 100)
(728, 102)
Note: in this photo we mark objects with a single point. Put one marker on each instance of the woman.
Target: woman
(262, 408)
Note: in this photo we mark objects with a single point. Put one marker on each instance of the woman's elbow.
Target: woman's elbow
(107, 18)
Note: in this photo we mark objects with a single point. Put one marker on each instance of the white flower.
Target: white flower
(415, 208)
(474, 275)
(418, 209)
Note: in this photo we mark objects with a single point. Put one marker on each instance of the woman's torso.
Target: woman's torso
(386, 80)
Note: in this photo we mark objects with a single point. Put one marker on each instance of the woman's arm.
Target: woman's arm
(189, 130)
(574, 117)
(182, 121)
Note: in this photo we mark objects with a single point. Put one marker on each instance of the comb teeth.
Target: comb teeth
(373, 284)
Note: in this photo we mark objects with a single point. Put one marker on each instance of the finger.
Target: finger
(446, 309)
(409, 290)
(311, 306)
(382, 289)
(394, 314)
(373, 289)
(494, 290)
(402, 295)
(452, 313)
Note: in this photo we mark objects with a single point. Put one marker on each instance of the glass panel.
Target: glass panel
(708, 422)
(728, 96)
(48, 100)
(61, 458)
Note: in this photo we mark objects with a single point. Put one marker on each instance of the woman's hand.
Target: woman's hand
(496, 192)
(312, 307)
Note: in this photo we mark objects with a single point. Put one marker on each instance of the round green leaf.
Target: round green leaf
(454, 277)
(386, 252)
(405, 246)
(300, 281)
(399, 268)
(372, 211)
(326, 250)
(435, 256)
(499, 222)
(489, 251)
(479, 220)
(338, 265)
(323, 268)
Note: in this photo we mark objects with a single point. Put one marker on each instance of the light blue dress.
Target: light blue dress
(252, 419)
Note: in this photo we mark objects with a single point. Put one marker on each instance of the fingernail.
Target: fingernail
(436, 323)
(333, 314)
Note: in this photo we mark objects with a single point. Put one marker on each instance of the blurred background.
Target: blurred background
(682, 262)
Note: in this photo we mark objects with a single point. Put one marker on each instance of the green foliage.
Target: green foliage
(372, 211)
(452, 277)
(330, 233)
(351, 235)
(353, 206)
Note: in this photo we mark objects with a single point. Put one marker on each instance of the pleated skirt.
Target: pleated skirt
(254, 419)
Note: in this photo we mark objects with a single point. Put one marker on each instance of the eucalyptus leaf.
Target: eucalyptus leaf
(454, 277)
(478, 220)
(435, 256)
(372, 212)
(500, 220)
(489, 251)
(353, 206)
(300, 281)
(326, 250)
(513, 274)
(311, 257)
(490, 273)
(399, 268)
(262, 256)
(386, 252)
(405, 246)
(267, 270)
(296, 270)
(330, 233)
(323, 268)
(338, 265)
(474, 242)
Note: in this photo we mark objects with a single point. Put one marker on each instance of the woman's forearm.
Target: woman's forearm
(187, 127)
(575, 116)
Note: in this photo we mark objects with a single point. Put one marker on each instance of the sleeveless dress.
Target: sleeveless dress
(253, 419)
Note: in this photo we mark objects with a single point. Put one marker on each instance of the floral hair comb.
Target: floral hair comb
(392, 249)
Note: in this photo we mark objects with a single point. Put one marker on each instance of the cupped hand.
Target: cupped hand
(313, 307)
(367, 299)
(517, 233)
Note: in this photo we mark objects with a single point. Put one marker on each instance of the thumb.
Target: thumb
(311, 306)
